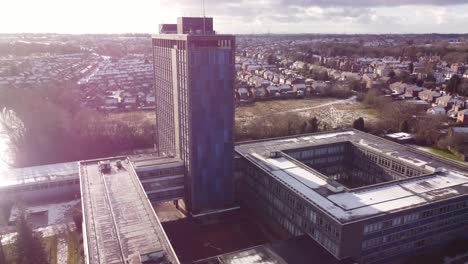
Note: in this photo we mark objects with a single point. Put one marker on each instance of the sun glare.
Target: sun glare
(4, 154)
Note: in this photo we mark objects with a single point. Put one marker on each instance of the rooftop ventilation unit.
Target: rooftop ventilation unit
(334, 186)
(275, 154)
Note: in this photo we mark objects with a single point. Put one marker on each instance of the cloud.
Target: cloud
(297, 15)
(371, 3)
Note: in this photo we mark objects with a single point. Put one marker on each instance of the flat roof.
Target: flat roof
(299, 250)
(120, 222)
(193, 36)
(154, 162)
(69, 170)
(37, 174)
(446, 180)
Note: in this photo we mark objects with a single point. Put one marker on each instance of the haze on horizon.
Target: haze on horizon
(237, 16)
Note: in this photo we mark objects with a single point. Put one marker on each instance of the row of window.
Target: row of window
(371, 228)
(39, 186)
(167, 183)
(393, 165)
(424, 228)
(319, 151)
(411, 246)
(164, 97)
(295, 223)
(325, 242)
(166, 195)
(288, 202)
(161, 172)
(169, 43)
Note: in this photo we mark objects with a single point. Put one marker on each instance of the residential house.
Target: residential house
(276, 79)
(130, 100)
(413, 91)
(398, 88)
(150, 99)
(282, 79)
(448, 101)
(437, 110)
(368, 78)
(300, 89)
(299, 65)
(429, 95)
(259, 93)
(286, 89)
(243, 95)
(419, 104)
(462, 117)
(273, 91)
(110, 100)
(455, 131)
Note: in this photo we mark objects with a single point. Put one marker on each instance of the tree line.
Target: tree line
(49, 125)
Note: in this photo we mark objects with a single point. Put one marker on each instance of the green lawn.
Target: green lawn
(444, 154)
(50, 246)
(73, 248)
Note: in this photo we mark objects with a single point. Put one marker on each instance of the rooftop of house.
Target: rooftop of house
(442, 179)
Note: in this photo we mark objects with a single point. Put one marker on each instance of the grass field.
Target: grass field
(134, 117)
(265, 108)
(73, 248)
(444, 154)
(50, 246)
(333, 112)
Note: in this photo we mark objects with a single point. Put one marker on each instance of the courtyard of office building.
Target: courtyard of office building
(359, 196)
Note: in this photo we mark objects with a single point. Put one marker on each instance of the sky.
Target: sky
(236, 16)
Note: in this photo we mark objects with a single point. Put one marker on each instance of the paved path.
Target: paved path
(62, 249)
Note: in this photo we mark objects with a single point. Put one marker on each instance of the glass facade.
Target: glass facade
(163, 184)
(195, 113)
(211, 125)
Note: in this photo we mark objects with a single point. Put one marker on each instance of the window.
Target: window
(410, 218)
(313, 217)
(372, 228)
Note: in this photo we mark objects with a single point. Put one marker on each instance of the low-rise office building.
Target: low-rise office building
(361, 197)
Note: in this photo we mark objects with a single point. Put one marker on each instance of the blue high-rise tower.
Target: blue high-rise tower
(194, 78)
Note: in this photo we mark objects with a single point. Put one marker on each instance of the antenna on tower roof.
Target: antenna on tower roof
(204, 24)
